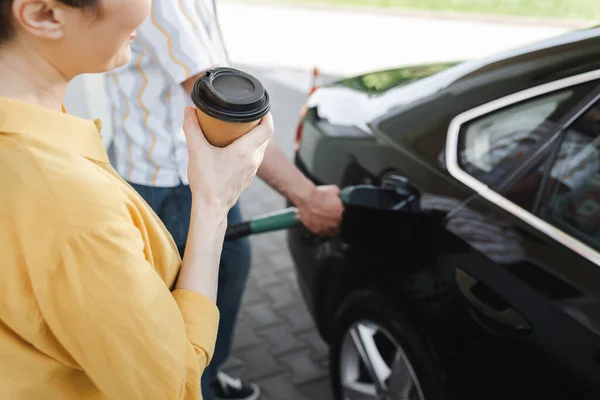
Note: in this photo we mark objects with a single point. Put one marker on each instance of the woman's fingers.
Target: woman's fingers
(191, 127)
(258, 136)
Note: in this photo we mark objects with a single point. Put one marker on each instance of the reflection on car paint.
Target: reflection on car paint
(492, 236)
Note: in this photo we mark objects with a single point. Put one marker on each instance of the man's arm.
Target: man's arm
(320, 207)
(188, 84)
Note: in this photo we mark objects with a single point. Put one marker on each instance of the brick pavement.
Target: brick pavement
(276, 343)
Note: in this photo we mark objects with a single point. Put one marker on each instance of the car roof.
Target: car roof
(437, 98)
(554, 58)
(473, 83)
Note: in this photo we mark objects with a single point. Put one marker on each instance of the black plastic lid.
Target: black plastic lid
(231, 95)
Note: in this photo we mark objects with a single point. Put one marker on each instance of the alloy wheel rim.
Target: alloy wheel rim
(373, 366)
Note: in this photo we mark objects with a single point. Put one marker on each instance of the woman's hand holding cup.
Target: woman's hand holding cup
(217, 176)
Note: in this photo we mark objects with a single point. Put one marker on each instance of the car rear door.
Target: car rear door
(531, 273)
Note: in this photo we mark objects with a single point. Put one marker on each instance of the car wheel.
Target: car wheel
(375, 354)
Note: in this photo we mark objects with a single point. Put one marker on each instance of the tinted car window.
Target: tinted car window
(574, 181)
(487, 145)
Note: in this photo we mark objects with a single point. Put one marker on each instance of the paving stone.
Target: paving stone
(272, 199)
(289, 276)
(280, 339)
(283, 295)
(257, 186)
(281, 387)
(252, 295)
(232, 364)
(243, 318)
(259, 363)
(282, 258)
(245, 336)
(319, 389)
(265, 279)
(268, 276)
(298, 316)
(319, 349)
(251, 205)
(263, 275)
(281, 261)
(262, 314)
(303, 367)
(264, 244)
(280, 240)
(255, 203)
(261, 262)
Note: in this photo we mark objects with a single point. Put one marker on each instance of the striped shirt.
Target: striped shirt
(180, 39)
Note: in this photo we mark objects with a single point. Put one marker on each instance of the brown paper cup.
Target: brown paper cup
(222, 133)
(229, 104)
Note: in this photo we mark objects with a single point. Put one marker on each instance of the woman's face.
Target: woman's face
(77, 40)
(99, 42)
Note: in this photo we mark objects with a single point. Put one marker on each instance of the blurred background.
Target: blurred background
(280, 41)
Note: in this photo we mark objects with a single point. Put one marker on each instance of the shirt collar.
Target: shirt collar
(76, 135)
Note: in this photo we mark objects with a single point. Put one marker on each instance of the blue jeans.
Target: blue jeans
(173, 206)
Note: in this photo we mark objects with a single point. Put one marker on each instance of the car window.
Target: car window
(487, 145)
(573, 191)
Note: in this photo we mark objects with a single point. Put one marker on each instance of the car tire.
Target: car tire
(366, 321)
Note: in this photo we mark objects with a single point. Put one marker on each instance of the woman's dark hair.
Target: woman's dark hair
(6, 23)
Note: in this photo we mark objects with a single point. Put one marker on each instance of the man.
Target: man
(179, 41)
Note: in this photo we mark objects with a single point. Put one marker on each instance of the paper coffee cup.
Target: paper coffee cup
(229, 104)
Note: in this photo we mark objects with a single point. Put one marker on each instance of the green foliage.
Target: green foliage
(567, 9)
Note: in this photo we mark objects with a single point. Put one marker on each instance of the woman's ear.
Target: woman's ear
(41, 18)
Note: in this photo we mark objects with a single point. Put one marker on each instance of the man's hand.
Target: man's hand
(321, 211)
(320, 207)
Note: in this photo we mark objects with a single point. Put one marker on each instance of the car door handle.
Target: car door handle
(506, 315)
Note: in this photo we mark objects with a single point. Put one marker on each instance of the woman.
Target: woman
(95, 302)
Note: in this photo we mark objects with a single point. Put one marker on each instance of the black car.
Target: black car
(488, 285)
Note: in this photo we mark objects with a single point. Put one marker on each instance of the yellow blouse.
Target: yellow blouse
(86, 271)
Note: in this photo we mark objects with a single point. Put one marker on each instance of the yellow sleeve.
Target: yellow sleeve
(111, 311)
